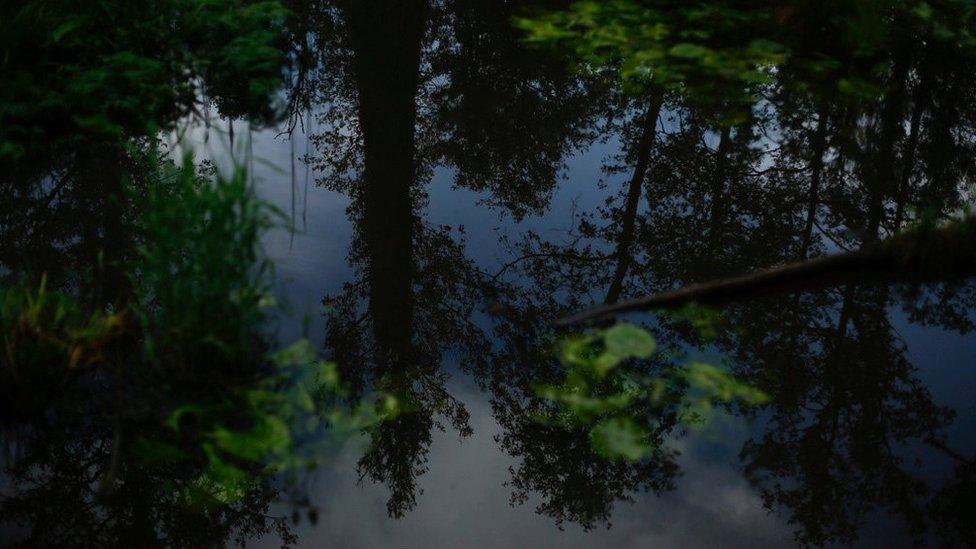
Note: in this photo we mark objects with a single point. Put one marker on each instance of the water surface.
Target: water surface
(454, 192)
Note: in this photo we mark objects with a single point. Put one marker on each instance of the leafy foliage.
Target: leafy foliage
(201, 281)
(289, 421)
(717, 52)
(708, 48)
(601, 392)
(104, 68)
(187, 342)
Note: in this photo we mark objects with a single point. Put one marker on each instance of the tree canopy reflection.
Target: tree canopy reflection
(709, 182)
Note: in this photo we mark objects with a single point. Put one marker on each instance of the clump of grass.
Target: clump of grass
(183, 355)
(194, 304)
(202, 283)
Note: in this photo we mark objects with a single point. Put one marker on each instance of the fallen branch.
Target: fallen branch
(922, 254)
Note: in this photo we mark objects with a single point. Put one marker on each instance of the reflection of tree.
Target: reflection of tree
(559, 466)
(953, 505)
(503, 115)
(847, 401)
(506, 115)
(467, 92)
(557, 463)
(60, 471)
(404, 355)
(64, 216)
(505, 118)
(408, 85)
(807, 173)
(409, 274)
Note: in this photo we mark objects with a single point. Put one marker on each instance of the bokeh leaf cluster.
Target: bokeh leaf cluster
(622, 404)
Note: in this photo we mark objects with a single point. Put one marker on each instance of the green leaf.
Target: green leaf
(627, 340)
(605, 362)
(269, 434)
(619, 438)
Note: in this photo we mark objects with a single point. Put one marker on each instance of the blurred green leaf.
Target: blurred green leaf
(627, 340)
(619, 438)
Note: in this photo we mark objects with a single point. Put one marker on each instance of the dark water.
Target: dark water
(455, 192)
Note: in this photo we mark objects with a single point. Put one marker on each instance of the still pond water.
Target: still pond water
(505, 193)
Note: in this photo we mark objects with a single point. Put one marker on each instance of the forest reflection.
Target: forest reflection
(395, 89)
(802, 175)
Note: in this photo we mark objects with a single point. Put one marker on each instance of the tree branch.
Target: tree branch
(919, 255)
